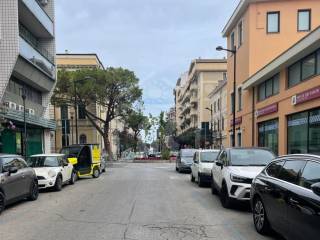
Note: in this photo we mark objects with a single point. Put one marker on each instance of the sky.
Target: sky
(157, 39)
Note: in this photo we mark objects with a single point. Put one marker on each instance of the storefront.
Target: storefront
(268, 135)
(304, 132)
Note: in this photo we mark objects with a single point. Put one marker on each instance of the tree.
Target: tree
(115, 89)
(138, 122)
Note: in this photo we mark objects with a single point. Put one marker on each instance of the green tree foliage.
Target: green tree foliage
(115, 89)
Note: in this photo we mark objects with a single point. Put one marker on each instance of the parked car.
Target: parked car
(285, 196)
(17, 180)
(234, 170)
(201, 167)
(184, 160)
(52, 170)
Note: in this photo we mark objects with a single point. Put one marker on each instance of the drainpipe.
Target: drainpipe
(253, 117)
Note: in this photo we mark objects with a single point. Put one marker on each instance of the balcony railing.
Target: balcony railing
(33, 41)
(32, 55)
(40, 14)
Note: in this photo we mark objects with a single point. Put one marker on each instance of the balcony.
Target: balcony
(193, 99)
(33, 56)
(32, 15)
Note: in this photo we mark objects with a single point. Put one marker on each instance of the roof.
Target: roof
(82, 54)
(312, 156)
(237, 14)
(199, 60)
(302, 48)
(48, 155)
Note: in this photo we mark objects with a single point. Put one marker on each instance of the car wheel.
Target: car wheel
(2, 202)
(260, 217)
(225, 200)
(34, 191)
(192, 177)
(73, 178)
(104, 170)
(58, 184)
(177, 170)
(200, 182)
(213, 188)
(96, 172)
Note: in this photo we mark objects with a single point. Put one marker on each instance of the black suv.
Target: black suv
(17, 180)
(285, 196)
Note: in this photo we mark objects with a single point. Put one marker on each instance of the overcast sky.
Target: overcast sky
(157, 39)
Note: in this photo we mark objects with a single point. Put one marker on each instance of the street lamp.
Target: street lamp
(211, 126)
(234, 51)
(24, 97)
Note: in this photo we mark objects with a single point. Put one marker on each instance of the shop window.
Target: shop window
(268, 135)
(273, 22)
(304, 20)
(298, 133)
(239, 139)
(314, 132)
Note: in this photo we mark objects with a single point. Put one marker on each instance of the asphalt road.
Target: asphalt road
(129, 201)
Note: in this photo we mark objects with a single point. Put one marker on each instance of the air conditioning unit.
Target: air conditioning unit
(10, 105)
(30, 111)
(43, 2)
(20, 108)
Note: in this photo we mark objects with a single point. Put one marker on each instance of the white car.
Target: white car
(234, 171)
(201, 167)
(52, 170)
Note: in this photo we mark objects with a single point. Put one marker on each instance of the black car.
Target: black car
(285, 196)
(17, 180)
(184, 160)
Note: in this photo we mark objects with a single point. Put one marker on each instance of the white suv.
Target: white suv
(234, 170)
(203, 161)
(52, 170)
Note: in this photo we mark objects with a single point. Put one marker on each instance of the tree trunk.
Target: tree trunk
(108, 148)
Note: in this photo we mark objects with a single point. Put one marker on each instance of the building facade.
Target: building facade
(65, 115)
(27, 70)
(264, 33)
(218, 99)
(192, 101)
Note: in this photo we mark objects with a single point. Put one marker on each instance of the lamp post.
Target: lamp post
(211, 125)
(72, 129)
(234, 51)
(24, 97)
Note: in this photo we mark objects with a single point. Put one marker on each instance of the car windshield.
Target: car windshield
(209, 156)
(250, 157)
(48, 161)
(187, 153)
(71, 151)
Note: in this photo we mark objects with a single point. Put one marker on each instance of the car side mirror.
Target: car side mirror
(219, 164)
(12, 170)
(316, 188)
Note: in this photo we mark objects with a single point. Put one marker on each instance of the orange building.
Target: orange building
(277, 70)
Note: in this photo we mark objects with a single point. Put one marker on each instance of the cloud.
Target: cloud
(155, 38)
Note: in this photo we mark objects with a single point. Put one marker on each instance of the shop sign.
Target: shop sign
(273, 108)
(238, 121)
(306, 96)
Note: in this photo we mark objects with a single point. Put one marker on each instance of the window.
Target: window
(304, 132)
(304, 20)
(83, 139)
(218, 125)
(310, 175)
(239, 99)
(273, 22)
(215, 107)
(291, 170)
(15, 86)
(222, 123)
(304, 69)
(65, 140)
(240, 34)
(274, 169)
(81, 111)
(64, 112)
(239, 139)
(269, 88)
(219, 104)
(232, 102)
(268, 135)
(225, 76)
(308, 67)
(232, 42)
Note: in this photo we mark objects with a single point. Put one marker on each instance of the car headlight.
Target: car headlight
(52, 173)
(238, 179)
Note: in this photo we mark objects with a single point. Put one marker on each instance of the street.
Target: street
(129, 201)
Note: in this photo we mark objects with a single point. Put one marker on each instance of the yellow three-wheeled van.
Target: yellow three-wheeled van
(85, 159)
